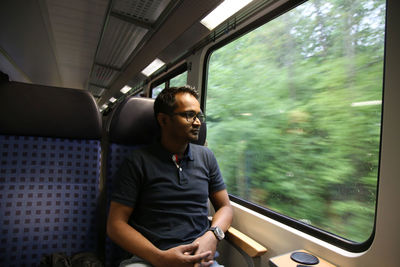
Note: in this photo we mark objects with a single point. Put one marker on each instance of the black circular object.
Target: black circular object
(304, 258)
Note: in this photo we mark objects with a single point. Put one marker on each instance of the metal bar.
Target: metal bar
(105, 23)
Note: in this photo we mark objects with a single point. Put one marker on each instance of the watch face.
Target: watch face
(219, 233)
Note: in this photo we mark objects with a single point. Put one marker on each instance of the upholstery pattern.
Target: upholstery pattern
(48, 197)
(116, 155)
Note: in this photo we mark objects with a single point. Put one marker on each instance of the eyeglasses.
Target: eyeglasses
(191, 116)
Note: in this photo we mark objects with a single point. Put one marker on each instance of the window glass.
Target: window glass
(294, 114)
(179, 80)
(156, 90)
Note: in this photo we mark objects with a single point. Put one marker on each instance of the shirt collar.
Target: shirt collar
(187, 155)
(188, 152)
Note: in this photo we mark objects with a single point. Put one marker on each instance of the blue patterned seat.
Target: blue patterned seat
(49, 172)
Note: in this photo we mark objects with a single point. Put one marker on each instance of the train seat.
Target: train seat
(49, 172)
(131, 124)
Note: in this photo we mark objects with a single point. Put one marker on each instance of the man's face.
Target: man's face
(180, 127)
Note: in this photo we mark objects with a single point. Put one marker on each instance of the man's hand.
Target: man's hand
(207, 242)
(184, 256)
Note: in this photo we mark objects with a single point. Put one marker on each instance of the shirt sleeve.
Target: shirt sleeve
(216, 180)
(127, 182)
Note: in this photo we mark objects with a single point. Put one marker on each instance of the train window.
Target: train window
(179, 80)
(177, 77)
(294, 115)
(156, 90)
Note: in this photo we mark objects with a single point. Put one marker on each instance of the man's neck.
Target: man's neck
(174, 147)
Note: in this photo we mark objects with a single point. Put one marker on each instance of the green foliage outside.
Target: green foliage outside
(179, 80)
(287, 115)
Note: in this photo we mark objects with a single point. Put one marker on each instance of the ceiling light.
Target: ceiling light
(113, 99)
(125, 89)
(155, 65)
(104, 106)
(222, 12)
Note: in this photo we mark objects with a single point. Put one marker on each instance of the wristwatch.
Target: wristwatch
(217, 232)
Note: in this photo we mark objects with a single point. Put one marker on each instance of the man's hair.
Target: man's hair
(165, 101)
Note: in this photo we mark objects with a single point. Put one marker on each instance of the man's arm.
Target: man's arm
(223, 210)
(222, 218)
(131, 240)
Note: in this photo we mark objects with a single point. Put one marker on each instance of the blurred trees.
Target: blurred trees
(288, 118)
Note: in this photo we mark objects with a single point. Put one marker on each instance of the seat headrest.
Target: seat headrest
(36, 110)
(133, 123)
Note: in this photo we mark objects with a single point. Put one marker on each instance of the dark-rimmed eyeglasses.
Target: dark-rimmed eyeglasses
(191, 116)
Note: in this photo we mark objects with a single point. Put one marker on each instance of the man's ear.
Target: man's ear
(162, 119)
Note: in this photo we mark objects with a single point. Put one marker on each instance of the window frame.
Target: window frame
(321, 234)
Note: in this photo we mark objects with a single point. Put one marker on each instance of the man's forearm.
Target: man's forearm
(132, 241)
(223, 218)
(223, 210)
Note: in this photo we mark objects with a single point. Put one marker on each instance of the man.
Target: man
(159, 205)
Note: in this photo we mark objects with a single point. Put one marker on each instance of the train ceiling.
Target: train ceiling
(97, 45)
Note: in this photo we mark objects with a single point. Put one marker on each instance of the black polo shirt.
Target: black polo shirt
(170, 202)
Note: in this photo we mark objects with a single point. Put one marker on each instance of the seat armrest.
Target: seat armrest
(245, 243)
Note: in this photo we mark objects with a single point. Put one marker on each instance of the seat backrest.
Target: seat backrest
(131, 124)
(49, 172)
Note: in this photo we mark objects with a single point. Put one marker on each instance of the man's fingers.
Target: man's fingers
(201, 256)
(204, 264)
(189, 248)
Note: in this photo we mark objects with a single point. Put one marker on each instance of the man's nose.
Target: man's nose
(197, 121)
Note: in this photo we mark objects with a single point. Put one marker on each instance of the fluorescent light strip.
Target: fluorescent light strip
(112, 99)
(225, 10)
(155, 65)
(125, 89)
